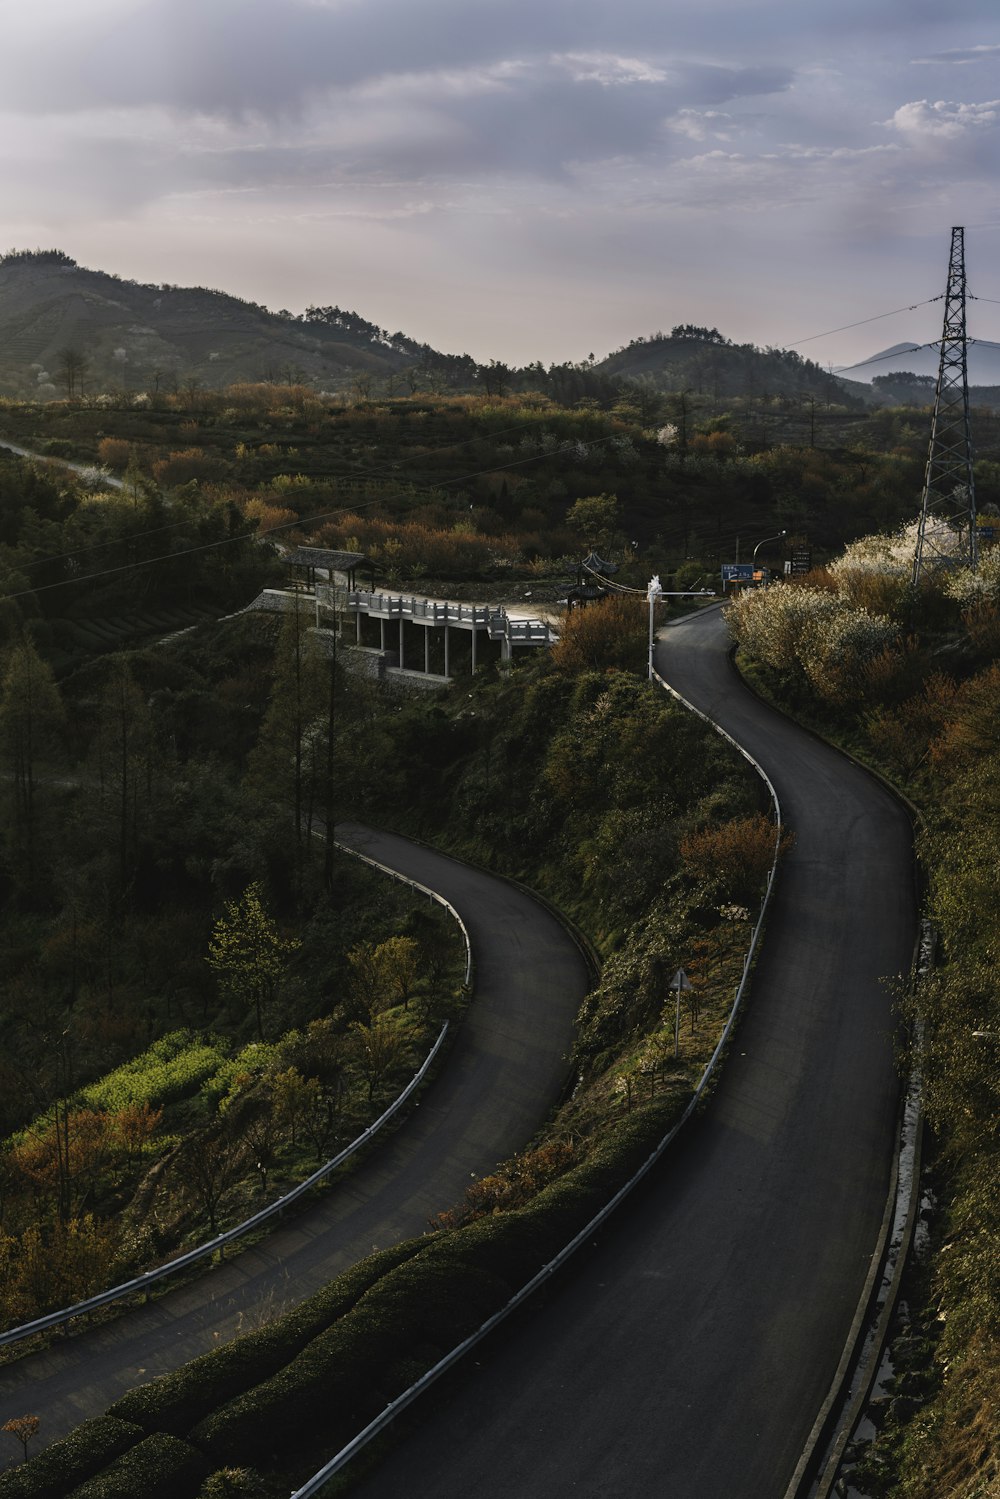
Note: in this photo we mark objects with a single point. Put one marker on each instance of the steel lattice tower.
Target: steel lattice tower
(947, 529)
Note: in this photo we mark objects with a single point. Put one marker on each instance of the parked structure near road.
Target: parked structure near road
(407, 633)
(416, 634)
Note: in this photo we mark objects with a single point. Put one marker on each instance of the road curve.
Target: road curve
(500, 1079)
(688, 1355)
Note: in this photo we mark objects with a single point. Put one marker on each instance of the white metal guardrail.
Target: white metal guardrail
(140, 1284)
(316, 1483)
(345, 848)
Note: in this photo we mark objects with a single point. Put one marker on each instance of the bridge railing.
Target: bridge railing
(529, 632)
(401, 606)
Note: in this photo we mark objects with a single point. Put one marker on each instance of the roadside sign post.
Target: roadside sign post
(680, 982)
(736, 572)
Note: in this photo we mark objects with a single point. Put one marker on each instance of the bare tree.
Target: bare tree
(73, 367)
(23, 1428)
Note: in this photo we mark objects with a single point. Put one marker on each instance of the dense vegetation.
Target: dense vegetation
(914, 686)
(439, 490)
(199, 1001)
(196, 771)
(629, 812)
(179, 812)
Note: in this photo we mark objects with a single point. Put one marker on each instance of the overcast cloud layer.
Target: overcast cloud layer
(532, 179)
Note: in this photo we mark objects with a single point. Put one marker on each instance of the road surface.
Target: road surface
(687, 1356)
(500, 1079)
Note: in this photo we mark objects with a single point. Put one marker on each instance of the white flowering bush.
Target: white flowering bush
(772, 623)
(982, 587)
(815, 631)
(838, 649)
(892, 554)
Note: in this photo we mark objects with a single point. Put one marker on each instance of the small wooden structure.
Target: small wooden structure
(589, 586)
(306, 562)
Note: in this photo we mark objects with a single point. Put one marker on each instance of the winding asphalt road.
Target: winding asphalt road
(687, 1357)
(502, 1075)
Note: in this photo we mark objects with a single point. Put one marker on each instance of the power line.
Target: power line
(300, 521)
(896, 354)
(206, 546)
(307, 520)
(877, 318)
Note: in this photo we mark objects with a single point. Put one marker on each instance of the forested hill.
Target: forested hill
(69, 331)
(144, 337)
(703, 361)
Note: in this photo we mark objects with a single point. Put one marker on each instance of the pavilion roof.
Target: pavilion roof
(598, 565)
(340, 562)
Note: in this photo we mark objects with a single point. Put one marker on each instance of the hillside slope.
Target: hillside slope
(138, 337)
(702, 360)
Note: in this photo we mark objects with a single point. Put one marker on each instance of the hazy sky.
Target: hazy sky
(519, 178)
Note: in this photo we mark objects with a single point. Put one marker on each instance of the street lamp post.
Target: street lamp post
(653, 593)
(753, 560)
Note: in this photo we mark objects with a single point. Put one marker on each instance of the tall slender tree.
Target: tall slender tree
(284, 762)
(125, 746)
(31, 719)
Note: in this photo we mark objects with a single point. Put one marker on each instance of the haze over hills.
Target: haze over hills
(922, 359)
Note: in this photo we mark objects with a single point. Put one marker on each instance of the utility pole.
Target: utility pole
(654, 591)
(946, 532)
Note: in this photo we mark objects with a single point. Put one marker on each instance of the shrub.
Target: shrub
(174, 1402)
(771, 623)
(733, 859)
(52, 1474)
(187, 464)
(611, 633)
(232, 1483)
(114, 451)
(335, 1380)
(159, 1467)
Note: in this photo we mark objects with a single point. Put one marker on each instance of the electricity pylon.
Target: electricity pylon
(947, 529)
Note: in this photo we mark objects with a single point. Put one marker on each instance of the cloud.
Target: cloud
(920, 121)
(530, 118)
(271, 57)
(703, 124)
(959, 56)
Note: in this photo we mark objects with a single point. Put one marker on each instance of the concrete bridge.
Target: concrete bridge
(417, 634)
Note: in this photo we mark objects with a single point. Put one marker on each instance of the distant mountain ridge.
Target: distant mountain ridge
(703, 361)
(923, 359)
(139, 335)
(68, 330)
